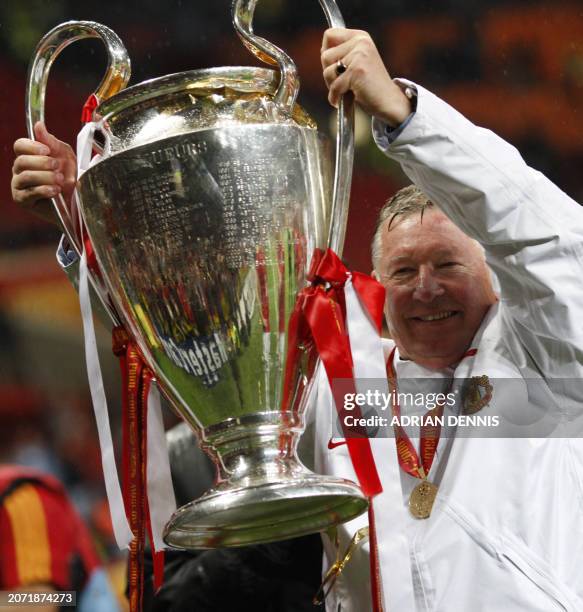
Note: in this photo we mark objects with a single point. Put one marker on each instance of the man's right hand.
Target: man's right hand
(43, 169)
(364, 74)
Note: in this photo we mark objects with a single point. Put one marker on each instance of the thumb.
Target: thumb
(43, 135)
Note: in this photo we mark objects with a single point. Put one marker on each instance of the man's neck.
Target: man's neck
(435, 363)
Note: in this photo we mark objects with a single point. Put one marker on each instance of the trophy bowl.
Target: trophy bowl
(212, 190)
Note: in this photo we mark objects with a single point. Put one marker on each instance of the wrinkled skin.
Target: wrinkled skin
(430, 268)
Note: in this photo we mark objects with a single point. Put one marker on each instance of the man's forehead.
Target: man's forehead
(432, 221)
(407, 252)
(434, 234)
(416, 221)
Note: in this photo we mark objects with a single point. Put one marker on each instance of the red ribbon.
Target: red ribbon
(281, 266)
(90, 105)
(318, 320)
(92, 264)
(136, 380)
(261, 267)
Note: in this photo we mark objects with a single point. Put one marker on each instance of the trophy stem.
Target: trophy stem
(263, 493)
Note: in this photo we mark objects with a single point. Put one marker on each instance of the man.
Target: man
(505, 531)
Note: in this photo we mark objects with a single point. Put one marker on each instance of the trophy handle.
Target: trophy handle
(289, 85)
(286, 95)
(344, 149)
(115, 79)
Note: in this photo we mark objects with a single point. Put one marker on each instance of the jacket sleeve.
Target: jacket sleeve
(531, 231)
(69, 262)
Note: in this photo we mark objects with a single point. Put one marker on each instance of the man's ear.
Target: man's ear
(375, 275)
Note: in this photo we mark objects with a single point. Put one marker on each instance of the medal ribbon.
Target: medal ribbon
(156, 549)
(137, 380)
(132, 462)
(121, 528)
(408, 458)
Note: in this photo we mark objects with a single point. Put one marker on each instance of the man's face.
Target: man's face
(438, 287)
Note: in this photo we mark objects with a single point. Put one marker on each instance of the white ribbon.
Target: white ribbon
(389, 509)
(161, 498)
(160, 492)
(121, 528)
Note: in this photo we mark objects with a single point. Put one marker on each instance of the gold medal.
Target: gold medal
(422, 498)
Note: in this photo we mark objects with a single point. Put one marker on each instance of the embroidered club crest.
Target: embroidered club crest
(478, 393)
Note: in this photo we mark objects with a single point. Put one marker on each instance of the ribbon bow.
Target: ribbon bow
(319, 320)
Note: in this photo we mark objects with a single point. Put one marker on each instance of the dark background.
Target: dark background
(515, 67)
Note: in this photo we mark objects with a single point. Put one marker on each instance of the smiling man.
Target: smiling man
(438, 284)
(467, 520)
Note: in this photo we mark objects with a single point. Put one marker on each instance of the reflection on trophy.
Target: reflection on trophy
(213, 189)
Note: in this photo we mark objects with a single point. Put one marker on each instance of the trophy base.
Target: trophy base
(263, 492)
(231, 515)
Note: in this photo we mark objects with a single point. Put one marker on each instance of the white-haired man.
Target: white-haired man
(505, 531)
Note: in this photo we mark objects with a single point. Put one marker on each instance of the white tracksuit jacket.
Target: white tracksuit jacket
(506, 531)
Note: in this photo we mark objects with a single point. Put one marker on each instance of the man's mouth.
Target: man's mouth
(438, 316)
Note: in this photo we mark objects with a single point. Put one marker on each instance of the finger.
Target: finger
(330, 75)
(356, 61)
(336, 36)
(34, 162)
(26, 146)
(333, 55)
(69, 167)
(338, 88)
(43, 135)
(29, 197)
(33, 178)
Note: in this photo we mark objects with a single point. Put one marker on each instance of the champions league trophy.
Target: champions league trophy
(213, 189)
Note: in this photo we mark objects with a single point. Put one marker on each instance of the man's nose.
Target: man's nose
(428, 287)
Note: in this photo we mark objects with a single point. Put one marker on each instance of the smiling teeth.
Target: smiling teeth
(437, 317)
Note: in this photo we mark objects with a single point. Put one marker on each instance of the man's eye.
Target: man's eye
(448, 264)
(403, 271)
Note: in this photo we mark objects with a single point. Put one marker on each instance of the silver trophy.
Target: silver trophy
(213, 190)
